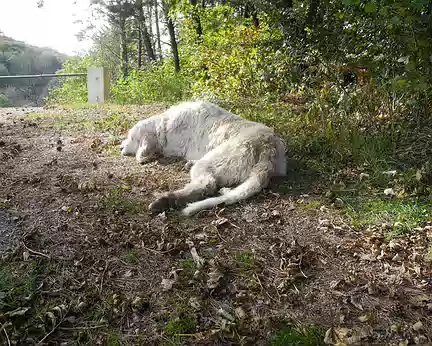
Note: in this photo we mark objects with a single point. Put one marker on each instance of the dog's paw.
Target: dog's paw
(188, 165)
(161, 204)
(224, 190)
(188, 211)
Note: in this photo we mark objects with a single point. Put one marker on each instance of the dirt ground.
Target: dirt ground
(271, 270)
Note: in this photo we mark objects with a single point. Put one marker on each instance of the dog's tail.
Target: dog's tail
(257, 180)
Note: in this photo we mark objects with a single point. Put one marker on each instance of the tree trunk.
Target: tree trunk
(145, 34)
(158, 36)
(312, 12)
(171, 32)
(196, 18)
(123, 46)
(139, 47)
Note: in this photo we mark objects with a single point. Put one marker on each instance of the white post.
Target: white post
(97, 85)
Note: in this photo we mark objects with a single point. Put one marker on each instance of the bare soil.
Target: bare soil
(229, 276)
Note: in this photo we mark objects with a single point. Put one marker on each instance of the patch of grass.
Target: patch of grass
(297, 336)
(117, 199)
(313, 205)
(181, 325)
(132, 257)
(19, 282)
(111, 119)
(20, 297)
(246, 261)
(403, 214)
(35, 116)
(188, 268)
(114, 339)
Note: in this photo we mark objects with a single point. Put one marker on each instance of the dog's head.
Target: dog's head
(141, 141)
(130, 145)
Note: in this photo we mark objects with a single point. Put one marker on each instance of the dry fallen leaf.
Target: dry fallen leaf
(167, 284)
(364, 318)
(418, 326)
(389, 192)
(197, 259)
(214, 276)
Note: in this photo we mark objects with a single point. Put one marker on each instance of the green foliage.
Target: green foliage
(246, 261)
(18, 58)
(180, 325)
(232, 61)
(4, 101)
(402, 215)
(188, 268)
(132, 257)
(72, 89)
(297, 336)
(155, 83)
(118, 200)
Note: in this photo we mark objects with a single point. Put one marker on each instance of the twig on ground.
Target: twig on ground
(35, 252)
(299, 265)
(221, 211)
(54, 328)
(3, 328)
(84, 328)
(103, 275)
(156, 251)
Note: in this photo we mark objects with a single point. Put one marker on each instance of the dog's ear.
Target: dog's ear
(148, 148)
(149, 143)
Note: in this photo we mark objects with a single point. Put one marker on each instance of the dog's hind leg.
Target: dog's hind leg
(199, 187)
(257, 180)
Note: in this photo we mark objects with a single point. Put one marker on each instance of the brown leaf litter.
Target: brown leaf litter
(227, 276)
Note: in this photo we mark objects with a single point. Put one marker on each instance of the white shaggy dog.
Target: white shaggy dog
(223, 149)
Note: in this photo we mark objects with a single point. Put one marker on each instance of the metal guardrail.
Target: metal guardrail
(48, 75)
(97, 82)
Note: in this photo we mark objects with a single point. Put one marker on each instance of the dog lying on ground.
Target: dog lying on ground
(225, 153)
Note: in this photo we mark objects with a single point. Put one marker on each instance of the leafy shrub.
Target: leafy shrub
(4, 101)
(155, 83)
(73, 89)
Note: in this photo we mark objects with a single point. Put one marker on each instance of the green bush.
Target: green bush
(72, 89)
(154, 83)
(4, 101)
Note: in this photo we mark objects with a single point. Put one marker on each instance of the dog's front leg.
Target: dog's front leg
(146, 152)
(188, 165)
(146, 159)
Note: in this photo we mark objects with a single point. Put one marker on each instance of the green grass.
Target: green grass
(290, 336)
(188, 268)
(403, 214)
(118, 199)
(181, 325)
(246, 261)
(20, 297)
(18, 281)
(132, 257)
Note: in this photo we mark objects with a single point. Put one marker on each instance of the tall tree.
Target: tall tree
(144, 30)
(158, 34)
(172, 35)
(117, 12)
(196, 18)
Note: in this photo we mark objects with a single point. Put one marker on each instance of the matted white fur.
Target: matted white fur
(225, 152)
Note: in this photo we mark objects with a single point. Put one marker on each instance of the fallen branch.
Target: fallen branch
(103, 275)
(54, 328)
(35, 252)
(84, 328)
(3, 328)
